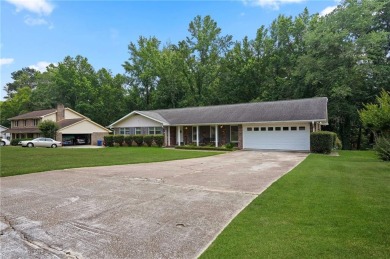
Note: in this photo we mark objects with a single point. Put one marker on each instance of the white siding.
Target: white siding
(84, 127)
(277, 140)
(71, 115)
(51, 117)
(137, 121)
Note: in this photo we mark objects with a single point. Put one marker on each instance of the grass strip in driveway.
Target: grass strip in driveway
(18, 160)
(327, 207)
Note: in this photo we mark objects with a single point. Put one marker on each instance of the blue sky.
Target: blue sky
(35, 33)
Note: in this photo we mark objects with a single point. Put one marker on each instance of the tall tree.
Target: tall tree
(26, 77)
(141, 67)
(346, 61)
(207, 47)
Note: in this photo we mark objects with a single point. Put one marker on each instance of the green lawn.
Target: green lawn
(18, 160)
(327, 207)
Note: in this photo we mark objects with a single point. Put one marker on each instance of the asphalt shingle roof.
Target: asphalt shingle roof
(290, 110)
(33, 115)
(68, 122)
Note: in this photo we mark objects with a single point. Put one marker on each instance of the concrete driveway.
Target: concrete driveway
(159, 210)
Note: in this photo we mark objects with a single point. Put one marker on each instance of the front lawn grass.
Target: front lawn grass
(327, 207)
(18, 160)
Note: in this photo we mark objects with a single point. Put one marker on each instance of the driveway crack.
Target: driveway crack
(35, 244)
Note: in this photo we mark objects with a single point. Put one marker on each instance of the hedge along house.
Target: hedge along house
(278, 125)
(72, 125)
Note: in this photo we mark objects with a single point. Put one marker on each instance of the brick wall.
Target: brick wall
(240, 138)
(97, 135)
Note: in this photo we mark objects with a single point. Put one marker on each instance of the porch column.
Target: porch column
(216, 135)
(178, 135)
(197, 136)
(169, 136)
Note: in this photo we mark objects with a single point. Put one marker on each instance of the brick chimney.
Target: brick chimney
(60, 112)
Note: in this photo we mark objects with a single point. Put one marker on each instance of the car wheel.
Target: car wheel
(30, 145)
(2, 143)
(54, 146)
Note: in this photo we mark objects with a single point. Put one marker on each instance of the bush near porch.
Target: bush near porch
(129, 140)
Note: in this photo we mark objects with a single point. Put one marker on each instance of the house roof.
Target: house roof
(34, 114)
(311, 109)
(68, 122)
(22, 130)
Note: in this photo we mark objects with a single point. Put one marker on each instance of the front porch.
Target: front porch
(203, 135)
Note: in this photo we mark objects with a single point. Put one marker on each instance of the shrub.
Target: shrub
(148, 139)
(109, 140)
(229, 145)
(338, 144)
(15, 141)
(159, 140)
(382, 148)
(119, 139)
(139, 140)
(129, 140)
(322, 141)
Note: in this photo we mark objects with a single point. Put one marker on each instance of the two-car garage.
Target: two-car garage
(277, 137)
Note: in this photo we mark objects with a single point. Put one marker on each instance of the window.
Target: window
(158, 130)
(122, 131)
(293, 128)
(270, 128)
(152, 131)
(212, 133)
(16, 123)
(263, 128)
(249, 129)
(302, 128)
(36, 121)
(25, 123)
(234, 133)
(194, 134)
(285, 128)
(278, 128)
(138, 131)
(127, 131)
(256, 129)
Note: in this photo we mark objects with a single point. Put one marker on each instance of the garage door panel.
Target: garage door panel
(277, 140)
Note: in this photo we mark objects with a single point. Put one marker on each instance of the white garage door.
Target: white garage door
(277, 137)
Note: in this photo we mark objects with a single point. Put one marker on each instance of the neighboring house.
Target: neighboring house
(3, 134)
(278, 125)
(73, 126)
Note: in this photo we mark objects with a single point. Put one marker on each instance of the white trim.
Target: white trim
(197, 135)
(86, 119)
(252, 122)
(216, 135)
(138, 113)
(178, 135)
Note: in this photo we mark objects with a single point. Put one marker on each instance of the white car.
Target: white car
(4, 142)
(40, 142)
